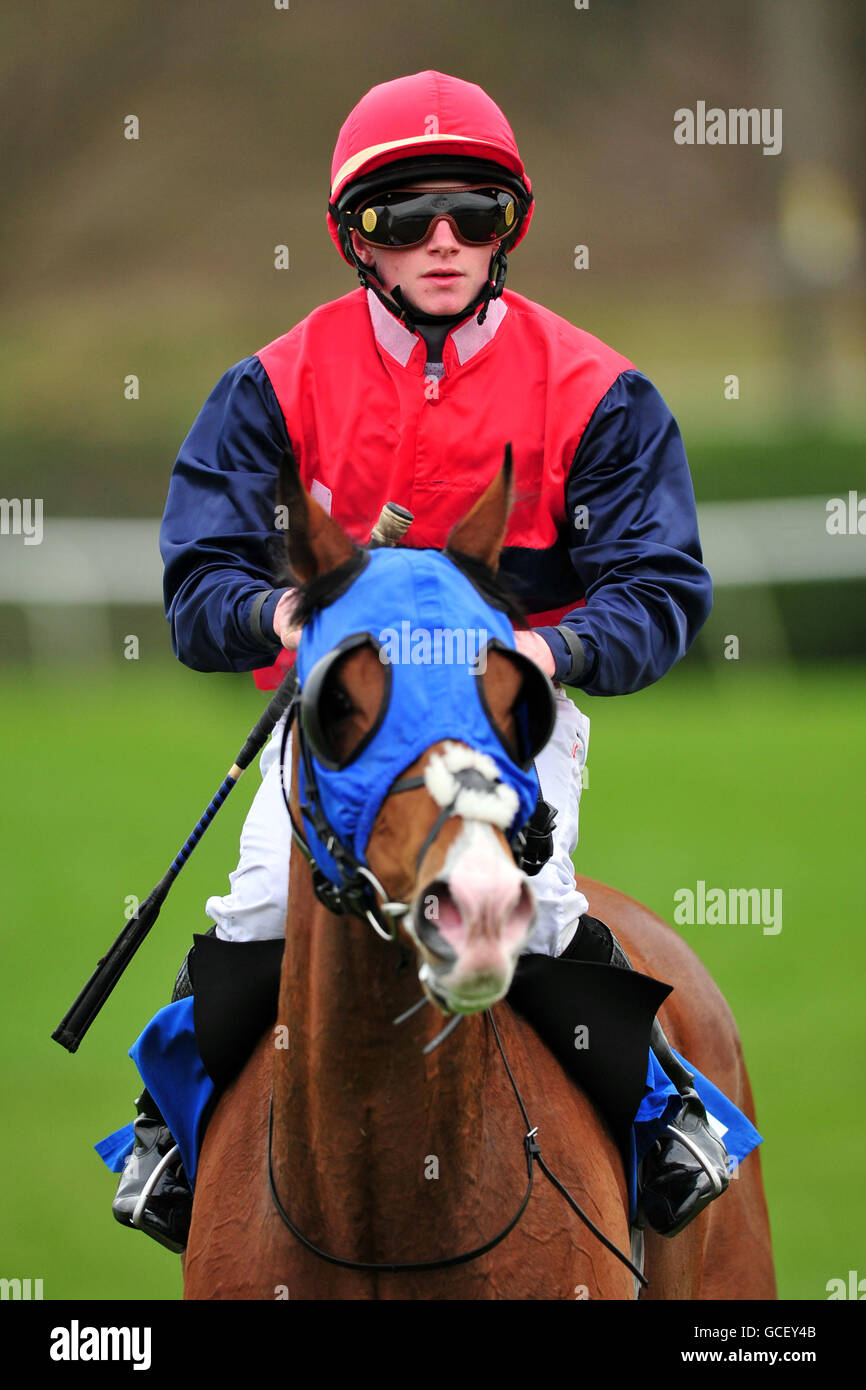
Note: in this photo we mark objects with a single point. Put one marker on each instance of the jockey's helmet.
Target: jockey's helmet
(429, 127)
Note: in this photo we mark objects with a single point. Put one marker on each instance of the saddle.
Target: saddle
(595, 1017)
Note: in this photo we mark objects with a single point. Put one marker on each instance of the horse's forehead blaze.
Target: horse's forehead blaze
(399, 830)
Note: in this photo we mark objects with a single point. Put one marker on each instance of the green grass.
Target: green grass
(757, 781)
(739, 778)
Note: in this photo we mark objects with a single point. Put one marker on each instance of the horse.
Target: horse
(355, 1159)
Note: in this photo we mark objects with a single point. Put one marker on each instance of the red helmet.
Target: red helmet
(430, 124)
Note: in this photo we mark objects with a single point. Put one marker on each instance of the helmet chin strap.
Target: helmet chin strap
(397, 305)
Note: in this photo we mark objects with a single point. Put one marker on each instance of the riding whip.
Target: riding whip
(393, 523)
(78, 1019)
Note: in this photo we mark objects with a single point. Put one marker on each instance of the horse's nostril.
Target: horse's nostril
(435, 910)
(435, 943)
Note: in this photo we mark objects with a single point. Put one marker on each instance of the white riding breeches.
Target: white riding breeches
(255, 907)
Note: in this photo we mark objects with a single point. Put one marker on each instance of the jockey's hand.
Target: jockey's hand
(533, 645)
(284, 628)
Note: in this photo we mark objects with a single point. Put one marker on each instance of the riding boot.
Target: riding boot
(154, 1194)
(687, 1166)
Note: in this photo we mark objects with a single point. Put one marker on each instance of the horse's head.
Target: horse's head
(418, 726)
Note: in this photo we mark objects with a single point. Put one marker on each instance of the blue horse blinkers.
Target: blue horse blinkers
(430, 694)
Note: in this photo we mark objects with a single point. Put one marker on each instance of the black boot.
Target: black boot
(154, 1194)
(688, 1167)
(684, 1171)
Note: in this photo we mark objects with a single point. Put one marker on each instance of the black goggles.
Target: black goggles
(402, 218)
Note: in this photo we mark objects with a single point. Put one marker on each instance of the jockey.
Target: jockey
(407, 389)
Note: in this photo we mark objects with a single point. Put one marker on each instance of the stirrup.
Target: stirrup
(149, 1187)
(684, 1171)
(158, 1202)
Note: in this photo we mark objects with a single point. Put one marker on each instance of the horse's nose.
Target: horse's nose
(476, 915)
(461, 917)
(435, 906)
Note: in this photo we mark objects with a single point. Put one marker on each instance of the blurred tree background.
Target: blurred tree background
(154, 257)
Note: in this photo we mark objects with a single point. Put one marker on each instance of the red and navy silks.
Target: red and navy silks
(603, 535)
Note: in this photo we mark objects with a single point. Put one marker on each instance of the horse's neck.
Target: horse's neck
(358, 1108)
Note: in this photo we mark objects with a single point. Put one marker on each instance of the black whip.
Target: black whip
(393, 523)
(79, 1017)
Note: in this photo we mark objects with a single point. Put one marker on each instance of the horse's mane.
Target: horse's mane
(319, 593)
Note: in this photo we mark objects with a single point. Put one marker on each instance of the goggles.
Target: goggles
(403, 218)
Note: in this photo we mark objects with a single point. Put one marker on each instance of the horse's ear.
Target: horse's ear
(482, 532)
(315, 543)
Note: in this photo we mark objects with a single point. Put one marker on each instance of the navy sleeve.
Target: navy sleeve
(634, 545)
(219, 539)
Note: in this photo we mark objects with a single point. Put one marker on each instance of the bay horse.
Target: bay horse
(384, 1154)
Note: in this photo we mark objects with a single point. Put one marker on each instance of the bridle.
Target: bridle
(361, 895)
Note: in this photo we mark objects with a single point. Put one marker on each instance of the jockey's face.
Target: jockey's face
(442, 276)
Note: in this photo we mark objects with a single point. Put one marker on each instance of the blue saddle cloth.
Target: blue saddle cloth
(171, 1068)
(661, 1103)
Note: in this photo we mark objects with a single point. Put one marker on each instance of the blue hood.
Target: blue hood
(432, 623)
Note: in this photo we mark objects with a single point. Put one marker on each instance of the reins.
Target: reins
(533, 1155)
(361, 895)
